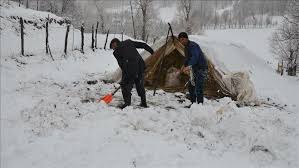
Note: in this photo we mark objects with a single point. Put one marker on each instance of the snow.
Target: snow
(49, 119)
(167, 14)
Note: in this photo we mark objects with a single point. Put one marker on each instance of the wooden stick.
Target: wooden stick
(22, 36)
(106, 39)
(160, 68)
(47, 36)
(92, 37)
(66, 38)
(96, 36)
(82, 38)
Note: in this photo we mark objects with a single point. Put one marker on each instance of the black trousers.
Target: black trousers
(127, 86)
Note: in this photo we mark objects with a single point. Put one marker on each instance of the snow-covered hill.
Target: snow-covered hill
(49, 117)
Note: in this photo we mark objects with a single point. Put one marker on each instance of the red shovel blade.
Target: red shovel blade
(106, 99)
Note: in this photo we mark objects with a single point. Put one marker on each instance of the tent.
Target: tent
(170, 58)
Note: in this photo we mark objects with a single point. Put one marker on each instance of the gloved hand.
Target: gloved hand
(185, 70)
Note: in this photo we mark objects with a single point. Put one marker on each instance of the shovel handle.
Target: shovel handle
(115, 91)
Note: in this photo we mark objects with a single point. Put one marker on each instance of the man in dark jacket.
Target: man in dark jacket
(196, 65)
(132, 66)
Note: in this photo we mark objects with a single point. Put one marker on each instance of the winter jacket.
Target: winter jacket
(195, 56)
(129, 60)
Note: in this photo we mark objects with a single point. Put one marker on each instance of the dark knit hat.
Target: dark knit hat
(183, 35)
(115, 40)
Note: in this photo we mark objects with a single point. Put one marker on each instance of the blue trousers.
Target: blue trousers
(196, 92)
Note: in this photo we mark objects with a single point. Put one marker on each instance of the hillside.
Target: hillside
(49, 117)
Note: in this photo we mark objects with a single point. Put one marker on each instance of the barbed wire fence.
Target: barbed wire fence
(69, 38)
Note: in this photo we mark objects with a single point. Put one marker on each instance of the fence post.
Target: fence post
(92, 37)
(22, 36)
(122, 36)
(82, 38)
(66, 37)
(106, 39)
(50, 53)
(96, 36)
(47, 36)
(281, 68)
(146, 38)
(37, 4)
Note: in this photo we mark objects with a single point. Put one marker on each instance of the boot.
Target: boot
(188, 106)
(127, 100)
(122, 106)
(200, 100)
(143, 102)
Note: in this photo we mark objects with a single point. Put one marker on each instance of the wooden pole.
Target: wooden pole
(96, 36)
(47, 36)
(22, 36)
(82, 38)
(157, 79)
(92, 37)
(171, 31)
(106, 39)
(66, 38)
(122, 36)
(147, 38)
(50, 52)
(281, 68)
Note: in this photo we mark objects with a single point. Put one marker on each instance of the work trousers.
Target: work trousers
(196, 92)
(127, 86)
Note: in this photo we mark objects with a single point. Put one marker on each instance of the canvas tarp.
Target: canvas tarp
(170, 58)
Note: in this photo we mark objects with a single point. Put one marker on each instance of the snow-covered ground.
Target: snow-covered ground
(49, 117)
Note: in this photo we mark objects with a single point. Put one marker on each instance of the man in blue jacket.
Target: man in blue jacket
(196, 65)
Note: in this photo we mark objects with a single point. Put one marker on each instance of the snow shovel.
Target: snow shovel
(108, 98)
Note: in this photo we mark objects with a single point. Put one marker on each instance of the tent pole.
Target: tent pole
(160, 68)
(171, 31)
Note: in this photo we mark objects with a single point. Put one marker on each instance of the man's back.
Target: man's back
(128, 50)
(129, 58)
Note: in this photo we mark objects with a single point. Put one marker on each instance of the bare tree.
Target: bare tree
(225, 17)
(185, 8)
(216, 19)
(285, 41)
(37, 4)
(145, 7)
(102, 15)
(65, 5)
(49, 6)
(133, 22)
